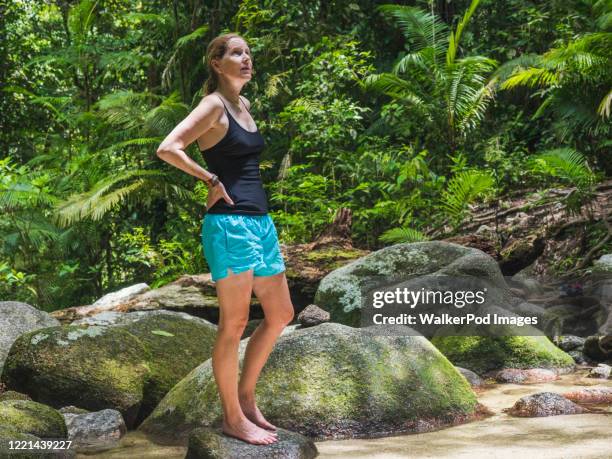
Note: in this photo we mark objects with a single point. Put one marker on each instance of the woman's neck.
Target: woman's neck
(230, 92)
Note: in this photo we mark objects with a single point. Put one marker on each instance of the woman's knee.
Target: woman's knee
(282, 318)
(233, 328)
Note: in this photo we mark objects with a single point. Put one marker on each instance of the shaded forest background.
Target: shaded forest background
(408, 114)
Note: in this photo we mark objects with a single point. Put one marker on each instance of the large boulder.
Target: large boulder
(331, 381)
(344, 292)
(125, 361)
(176, 342)
(486, 353)
(17, 318)
(32, 418)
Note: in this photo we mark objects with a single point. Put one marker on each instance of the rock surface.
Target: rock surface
(544, 404)
(569, 342)
(195, 295)
(525, 376)
(590, 395)
(17, 318)
(32, 418)
(603, 264)
(344, 292)
(127, 361)
(13, 395)
(312, 315)
(600, 371)
(473, 378)
(598, 348)
(331, 381)
(487, 353)
(95, 431)
(213, 444)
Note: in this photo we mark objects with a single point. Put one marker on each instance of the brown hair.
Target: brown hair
(216, 50)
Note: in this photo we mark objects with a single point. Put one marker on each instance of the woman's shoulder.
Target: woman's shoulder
(246, 102)
(212, 99)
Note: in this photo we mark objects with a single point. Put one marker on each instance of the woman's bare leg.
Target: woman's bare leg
(273, 294)
(234, 294)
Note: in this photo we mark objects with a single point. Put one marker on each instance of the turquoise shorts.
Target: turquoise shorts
(240, 243)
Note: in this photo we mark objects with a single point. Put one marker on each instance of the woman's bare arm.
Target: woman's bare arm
(200, 120)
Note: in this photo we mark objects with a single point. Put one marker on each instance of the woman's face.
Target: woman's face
(236, 62)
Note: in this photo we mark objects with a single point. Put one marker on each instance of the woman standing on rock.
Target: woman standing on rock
(238, 235)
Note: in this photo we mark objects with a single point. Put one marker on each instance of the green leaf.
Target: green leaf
(161, 333)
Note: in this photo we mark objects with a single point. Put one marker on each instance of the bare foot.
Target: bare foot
(250, 410)
(247, 431)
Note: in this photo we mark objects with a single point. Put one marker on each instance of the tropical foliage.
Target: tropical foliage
(410, 115)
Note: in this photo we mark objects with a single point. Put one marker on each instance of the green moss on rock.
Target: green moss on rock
(126, 361)
(486, 353)
(331, 381)
(12, 395)
(9, 434)
(94, 369)
(183, 344)
(33, 418)
(343, 292)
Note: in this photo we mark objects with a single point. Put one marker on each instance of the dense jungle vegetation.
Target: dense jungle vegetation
(405, 113)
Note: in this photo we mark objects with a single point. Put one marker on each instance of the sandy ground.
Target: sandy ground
(499, 436)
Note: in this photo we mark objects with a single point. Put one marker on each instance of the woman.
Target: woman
(238, 235)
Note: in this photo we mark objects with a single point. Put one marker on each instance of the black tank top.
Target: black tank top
(235, 160)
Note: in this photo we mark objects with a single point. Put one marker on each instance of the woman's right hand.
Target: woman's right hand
(215, 193)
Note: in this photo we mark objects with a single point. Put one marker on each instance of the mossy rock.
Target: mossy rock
(33, 418)
(8, 435)
(343, 292)
(12, 395)
(93, 367)
(17, 318)
(330, 381)
(329, 258)
(213, 444)
(176, 343)
(125, 361)
(486, 353)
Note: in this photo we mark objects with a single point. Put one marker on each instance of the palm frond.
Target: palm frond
(455, 37)
(80, 18)
(100, 199)
(161, 119)
(420, 28)
(531, 77)
(508, 68)
(274, 82)
(394, 86)
(197, 34)
(604, 107)
(475, 108)
(284, 167)
(123, 61)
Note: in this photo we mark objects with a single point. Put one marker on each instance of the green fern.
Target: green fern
(402, 234)
(463, 189)
(566, 164)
